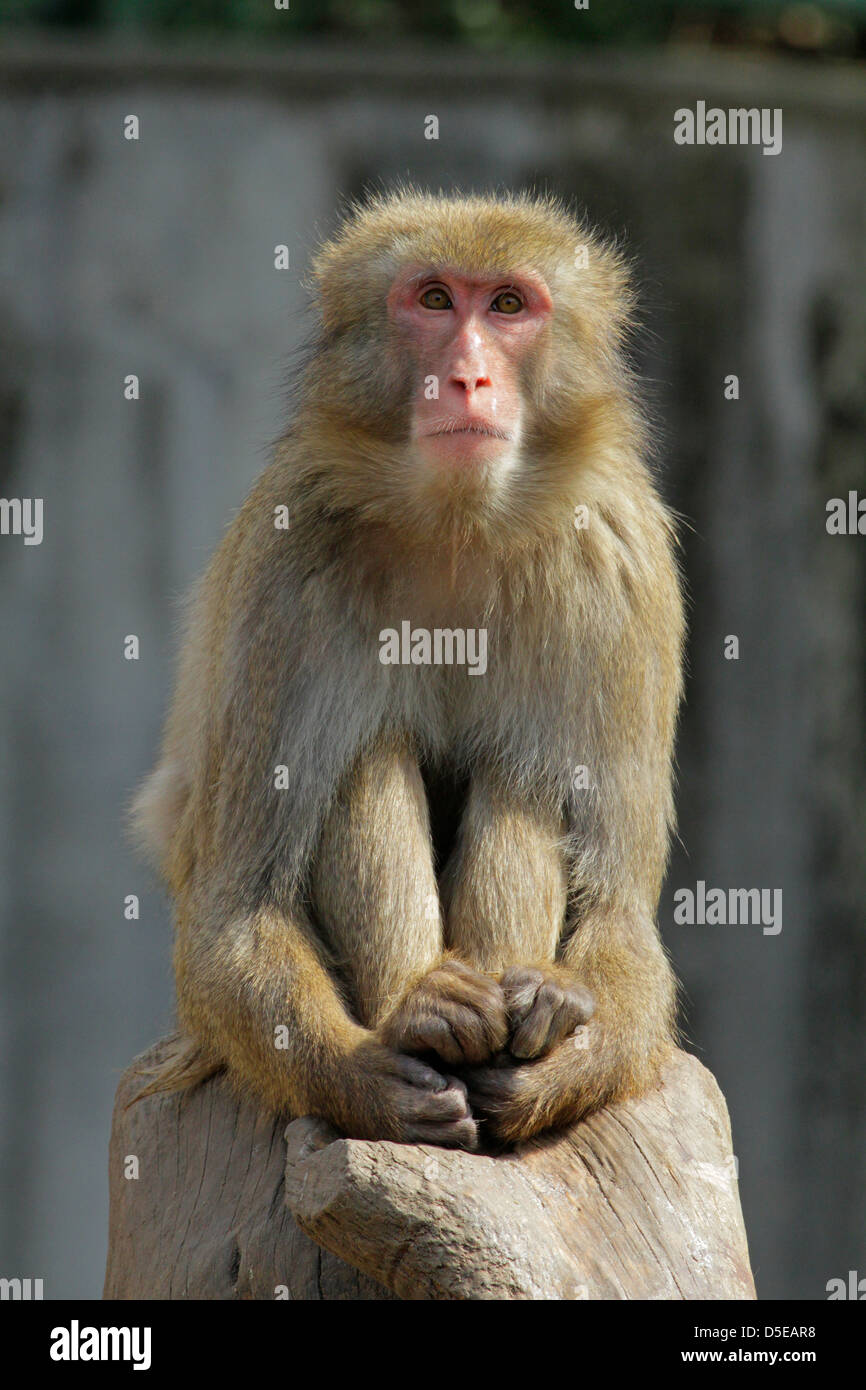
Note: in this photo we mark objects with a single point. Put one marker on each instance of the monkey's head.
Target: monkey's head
(469, 362)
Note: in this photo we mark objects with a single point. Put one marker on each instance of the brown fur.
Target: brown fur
(329, 907)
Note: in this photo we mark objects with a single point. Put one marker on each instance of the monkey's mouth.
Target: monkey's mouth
(470, 427)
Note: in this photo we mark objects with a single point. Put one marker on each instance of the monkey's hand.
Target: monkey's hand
(545, 1004)
(454, 1012)
(592, 1068)
(516, 1100)
(387, 1095)
(548, 1014)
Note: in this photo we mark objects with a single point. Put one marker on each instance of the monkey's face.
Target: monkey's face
(466, 341)
(469, 365)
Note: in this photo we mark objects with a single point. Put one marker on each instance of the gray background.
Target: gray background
(156, 257)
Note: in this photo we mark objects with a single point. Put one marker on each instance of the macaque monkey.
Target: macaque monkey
(418, 898)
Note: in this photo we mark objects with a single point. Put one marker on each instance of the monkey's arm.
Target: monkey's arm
(276, 693)
(375, 894)
(589, 1013)
(590, 1000)
(589, 991)
(257, 996)
(612, 851)
(614, 1051)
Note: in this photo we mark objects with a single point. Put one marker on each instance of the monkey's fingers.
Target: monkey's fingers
(493, 1089)
(543, 1009)
(453, 1011)
(458, 983)
(441, 1117)
(462, 1134)
(520, 985)
(420, 1075)
(550, 1020)
(429, 1033)
(512, 1102)
(458, 1034)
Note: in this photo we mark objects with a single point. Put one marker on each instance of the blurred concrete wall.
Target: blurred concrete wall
(156, 258)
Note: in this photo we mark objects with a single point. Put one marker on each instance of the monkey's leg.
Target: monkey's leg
(506, 895)
(617, 954)
(375, 894)
(373, 887)
(505, 892)
(257, 996)
(505, 887)
(593, 1018)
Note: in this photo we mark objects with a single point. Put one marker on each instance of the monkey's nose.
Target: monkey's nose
(470, 382)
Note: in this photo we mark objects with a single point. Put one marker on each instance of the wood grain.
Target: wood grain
(639, 1201)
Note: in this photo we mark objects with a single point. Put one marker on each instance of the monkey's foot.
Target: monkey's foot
(544, 1006)
(454, 1012)
(519, 1100)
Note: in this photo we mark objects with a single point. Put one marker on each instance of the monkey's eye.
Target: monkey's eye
(436, 298)
(507, 303)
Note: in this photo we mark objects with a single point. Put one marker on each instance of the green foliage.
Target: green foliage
(509, 23)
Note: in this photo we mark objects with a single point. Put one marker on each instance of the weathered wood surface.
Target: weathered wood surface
(639, 1201)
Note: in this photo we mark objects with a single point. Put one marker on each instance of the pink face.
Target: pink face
(469, 335)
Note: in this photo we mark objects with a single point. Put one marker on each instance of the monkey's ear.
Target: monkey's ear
(352, 271)
(592, 281)
(619, 289)
(351, 288)
(599, 294)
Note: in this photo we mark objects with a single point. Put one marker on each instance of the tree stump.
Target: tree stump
(638, 1201)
